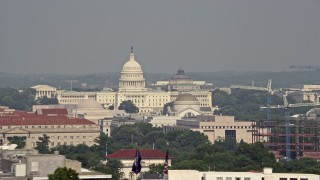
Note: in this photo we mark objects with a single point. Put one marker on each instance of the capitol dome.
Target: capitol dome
(132, 66)
(132, 76)
(89, 104)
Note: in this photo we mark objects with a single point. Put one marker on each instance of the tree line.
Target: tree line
(22, 99)
(245, 105)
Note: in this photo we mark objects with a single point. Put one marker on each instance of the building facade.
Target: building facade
(62, 130)
(217, 128)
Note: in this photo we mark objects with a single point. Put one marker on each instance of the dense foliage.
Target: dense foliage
(43, 144)
(64, 174)
(14, 99)
(20, 141)
(245, 105)
(45, 101)
(128, 106)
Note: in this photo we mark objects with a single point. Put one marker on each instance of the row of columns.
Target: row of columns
(133, 84)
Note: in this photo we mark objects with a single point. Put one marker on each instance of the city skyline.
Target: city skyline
(81, 37)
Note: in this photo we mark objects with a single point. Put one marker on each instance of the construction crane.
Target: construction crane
(316, 68)
(287, 106)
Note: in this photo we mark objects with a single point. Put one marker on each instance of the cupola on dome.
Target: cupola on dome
(132, 64)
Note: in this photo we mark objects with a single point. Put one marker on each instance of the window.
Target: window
(228, 178)
(219, 178)
(246, 178)
(71, 137)
(238, 178)
(52, 143)
(230, 135)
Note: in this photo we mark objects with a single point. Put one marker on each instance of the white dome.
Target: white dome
(185, 101)
(131, 78)
(132, 65)
(89, 104)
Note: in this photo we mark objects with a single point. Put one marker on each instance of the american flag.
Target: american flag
(165, 168)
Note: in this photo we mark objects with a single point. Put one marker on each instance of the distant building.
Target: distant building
(44, 90)
(216, 127)
(186, 105)
(148, 156)
(183, 83)
(132, 87)
(62, 130)
(309, 93)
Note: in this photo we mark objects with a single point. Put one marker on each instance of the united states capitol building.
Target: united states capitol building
(132, 86)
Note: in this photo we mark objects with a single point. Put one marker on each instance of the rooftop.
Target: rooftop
(25, 118)
(145, 154)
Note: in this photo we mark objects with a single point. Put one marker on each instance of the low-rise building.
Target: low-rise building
(62, 130)
(148, 157)
(216, 127)
(16, 164)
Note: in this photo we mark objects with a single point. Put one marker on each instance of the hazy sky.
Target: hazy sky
(81, 37)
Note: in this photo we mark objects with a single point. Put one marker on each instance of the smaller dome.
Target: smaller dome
(186, 97)
(89, 104)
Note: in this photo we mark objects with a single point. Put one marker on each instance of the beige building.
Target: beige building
(62, 130)
(132, 87)
(217, 127)
(183, 83)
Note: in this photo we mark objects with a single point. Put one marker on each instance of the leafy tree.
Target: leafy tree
(111, 107)
(45, 101)
(156, 169)
(21, 100)
(194, 164)
(20, 141)
(129, 107)
(112, 167)
(64, 174)
(165, 107)
(100, 145)
(43, 144)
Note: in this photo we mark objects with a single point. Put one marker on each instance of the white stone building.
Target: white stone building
(44, 90)
(132, 87)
